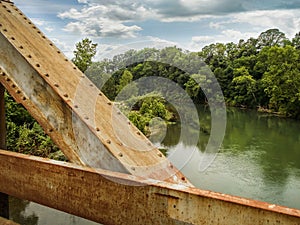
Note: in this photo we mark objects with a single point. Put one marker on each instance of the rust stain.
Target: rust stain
(114, 198)
(69, 108)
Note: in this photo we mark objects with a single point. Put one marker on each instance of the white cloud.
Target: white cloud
(287, 21)
(104, 20)
(108, 51)
(38, 21)
(254, 22)
(65, 47)
(42, 24)
(226, 36)
(49, 29)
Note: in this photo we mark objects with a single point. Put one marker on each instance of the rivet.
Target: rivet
(8, 11)
(91, 85)
(4, 6)
(86, 118)
(39, 32)
(58, 52)
(5, 30)
(129, 123)
(46, 74)
(7, 79)
(29, 56)
(183, 178)
(0, 25)
(38, 65)
(82, 76)
(119, 113)
(149, 143)
(25, 18)
(18, 92)
(51, 44)
(56, 85)
(21, 47)
(108, 142)
(74, 67)
(97, 129)
(66, 60)
(66, 95)
(138, 133)
(120, 154)
(133, 168)
(120, 143)
(29, 22)
(76, 106)
(100, 94)
(3, 74)
(34, 27)
(44, 36)
(109, 103)
(171, 166)
(12, 38)
(50, 130)
(24, 98)
(159, 154)
(13, 86)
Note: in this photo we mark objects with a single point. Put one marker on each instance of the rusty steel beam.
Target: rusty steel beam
(114, 198)
(77, 116)
(4, 221)
(4, 206)
(2, 119)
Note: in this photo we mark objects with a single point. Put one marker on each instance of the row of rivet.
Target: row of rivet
(13, 85)
(66, 95)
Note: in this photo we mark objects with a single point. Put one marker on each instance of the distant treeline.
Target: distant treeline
(260, 72)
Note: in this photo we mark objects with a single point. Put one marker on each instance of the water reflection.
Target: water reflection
(17, 212)
(29, 213)
(259, 157)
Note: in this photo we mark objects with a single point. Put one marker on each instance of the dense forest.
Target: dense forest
(260, 73)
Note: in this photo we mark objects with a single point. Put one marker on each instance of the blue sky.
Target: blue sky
(118, 25)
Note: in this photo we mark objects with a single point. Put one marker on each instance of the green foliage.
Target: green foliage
(281, 80)
(85, 51)
(271, 37)
(139, 120)
(259, 72)
(250, 73)
(25, 135)
(149, 107)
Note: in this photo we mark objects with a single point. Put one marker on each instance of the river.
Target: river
(259, 159)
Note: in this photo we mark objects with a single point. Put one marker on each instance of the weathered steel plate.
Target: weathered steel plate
(113, 198)
(76, 115)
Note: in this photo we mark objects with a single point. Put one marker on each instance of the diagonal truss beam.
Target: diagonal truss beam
(77, 116)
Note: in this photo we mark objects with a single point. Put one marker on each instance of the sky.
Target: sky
(120, 25)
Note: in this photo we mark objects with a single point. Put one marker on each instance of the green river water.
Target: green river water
(259, 159)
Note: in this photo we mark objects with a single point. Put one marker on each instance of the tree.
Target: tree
(271, 37)
(281, 81)
(244, 87)
(85, 51)
(296, 41)
(128, 89)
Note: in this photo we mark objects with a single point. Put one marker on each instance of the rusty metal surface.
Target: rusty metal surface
(114, 198)
(4, 221)
(4, 206)
(77, 116)
(2, 119)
